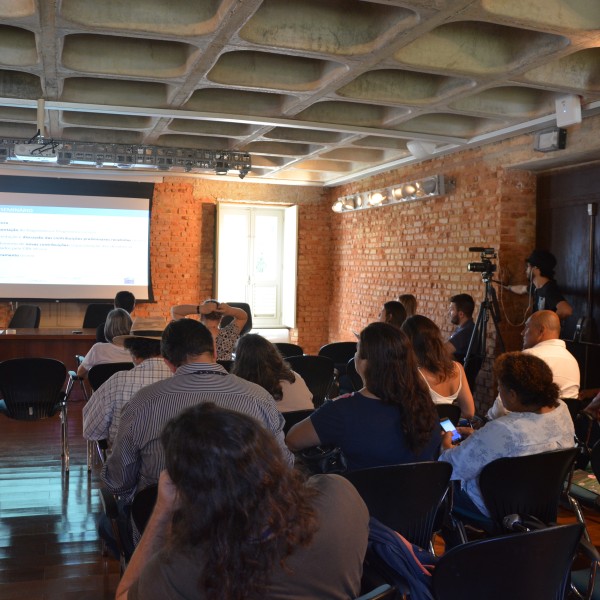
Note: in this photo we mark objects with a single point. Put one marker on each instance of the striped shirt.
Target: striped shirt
(102, 413)
(138, 458)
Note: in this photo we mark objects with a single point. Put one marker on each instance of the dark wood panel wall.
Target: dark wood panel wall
(568, 226)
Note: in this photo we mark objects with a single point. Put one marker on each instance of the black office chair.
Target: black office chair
(293, 417)
(226, 364)
(95, 314)
(26, 316)
(317, 372)
(142, 506)
(286, 349)
(340, 353)
(522, 566)
(97, 375)
(244, 306)
(32, 389)
(406, 497)
(448, 411)
(355, 382)
(382, 592)
(525, 485)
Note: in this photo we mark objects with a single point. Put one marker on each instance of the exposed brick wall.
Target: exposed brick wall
(348, 265)
(422, 247)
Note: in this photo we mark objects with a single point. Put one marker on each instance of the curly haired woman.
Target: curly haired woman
(233, 521)
(538, 422)
(391, 420)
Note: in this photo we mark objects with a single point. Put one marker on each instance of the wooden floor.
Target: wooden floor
(49, 547)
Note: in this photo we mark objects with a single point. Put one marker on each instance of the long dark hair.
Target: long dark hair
(427, 342)
(238, 499)
(259, 361)
(392, 375)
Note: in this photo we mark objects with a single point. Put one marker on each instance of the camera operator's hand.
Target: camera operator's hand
(516, 289)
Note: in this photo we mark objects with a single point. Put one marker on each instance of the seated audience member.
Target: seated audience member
(137, 457)
(445, 378)
(538, 422)
(118, 322)
(102, 412)
(211, 312)
(234, 520)
(124, 300)
(541, 339)
(410, 304)
(461, 314)
(391, 420)
(259, 361)
(392, 312)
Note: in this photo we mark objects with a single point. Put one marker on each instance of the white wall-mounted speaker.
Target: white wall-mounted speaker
(568, 110)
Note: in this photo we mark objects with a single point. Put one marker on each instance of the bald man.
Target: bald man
(541, 338)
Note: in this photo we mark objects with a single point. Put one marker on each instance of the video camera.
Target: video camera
(486, 267)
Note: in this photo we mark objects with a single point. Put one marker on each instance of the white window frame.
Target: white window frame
(288, 248)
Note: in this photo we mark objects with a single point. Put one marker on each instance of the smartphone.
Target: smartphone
(448, 426)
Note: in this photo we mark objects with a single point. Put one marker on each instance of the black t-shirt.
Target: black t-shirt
(460, 340)
(547, 296)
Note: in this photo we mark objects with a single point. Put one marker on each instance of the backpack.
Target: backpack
(401, 563)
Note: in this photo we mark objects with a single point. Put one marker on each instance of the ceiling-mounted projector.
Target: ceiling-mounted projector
(36, 152)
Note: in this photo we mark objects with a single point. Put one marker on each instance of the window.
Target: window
(256, 261)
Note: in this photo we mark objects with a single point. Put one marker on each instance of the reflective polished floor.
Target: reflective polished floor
(49, 547)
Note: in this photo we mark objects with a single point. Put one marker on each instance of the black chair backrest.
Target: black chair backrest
(353, 376)
(404, 497)
(340, 353)
(286, 349)
(535, 564)
(526, 485)
(295, 416)
(448, 411)
(244, 306)
(595, 459)
(32, 388)
(226, 364)
(142, 506)
(26, 316)
(98, 374)
(95, 314)
(317, 372)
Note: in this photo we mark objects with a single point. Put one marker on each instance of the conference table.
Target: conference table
(62, 344)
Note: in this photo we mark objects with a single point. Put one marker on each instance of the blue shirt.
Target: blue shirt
(369, 432)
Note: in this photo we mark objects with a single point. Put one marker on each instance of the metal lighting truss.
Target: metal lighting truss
(124, 156)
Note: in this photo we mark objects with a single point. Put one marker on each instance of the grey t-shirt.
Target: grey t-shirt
(330, 568)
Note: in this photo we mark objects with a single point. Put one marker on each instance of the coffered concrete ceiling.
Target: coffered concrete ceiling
(317, 91)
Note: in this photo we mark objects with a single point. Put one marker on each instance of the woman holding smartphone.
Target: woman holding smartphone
(538, 422)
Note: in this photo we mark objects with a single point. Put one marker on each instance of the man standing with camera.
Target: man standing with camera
(543, 287)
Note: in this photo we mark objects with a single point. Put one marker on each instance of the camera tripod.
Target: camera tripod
(477, 349)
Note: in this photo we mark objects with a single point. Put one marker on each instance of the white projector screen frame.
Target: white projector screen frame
(73, 247)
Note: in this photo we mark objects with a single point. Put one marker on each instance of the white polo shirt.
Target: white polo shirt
(564, 367)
